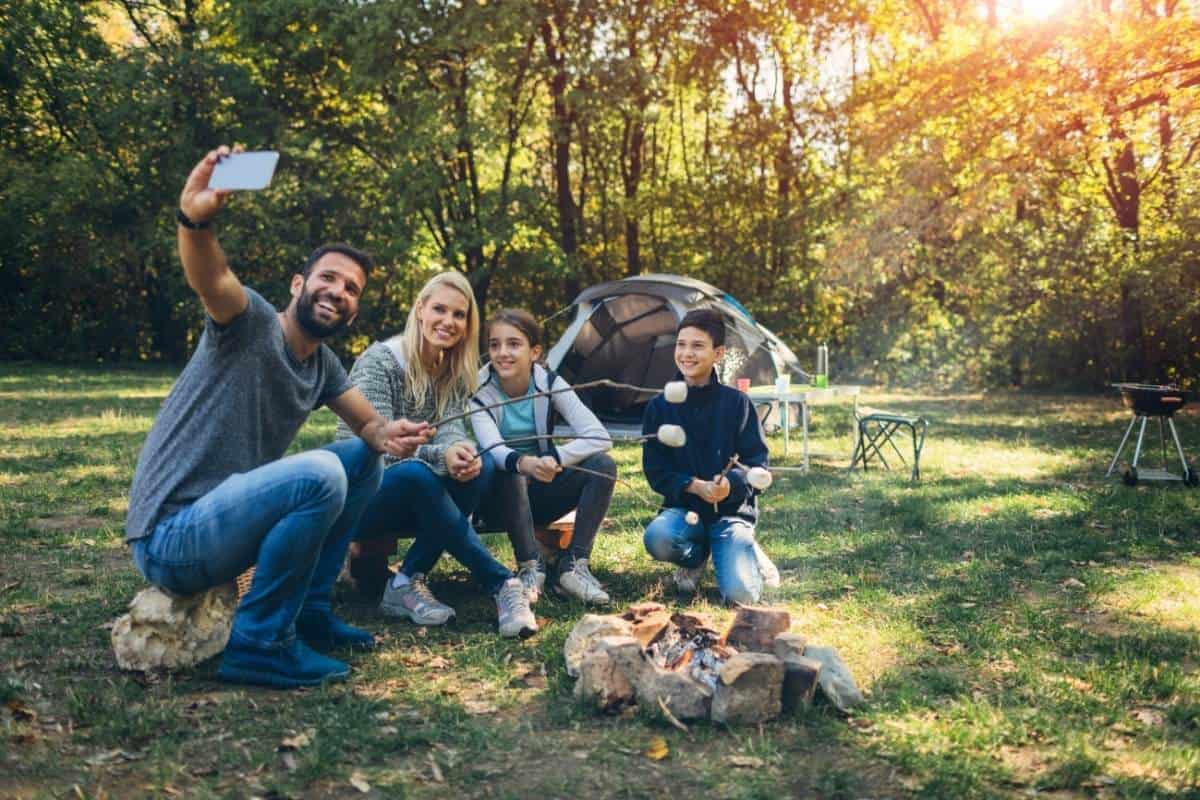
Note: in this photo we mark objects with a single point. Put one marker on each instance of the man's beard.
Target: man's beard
(307, 317)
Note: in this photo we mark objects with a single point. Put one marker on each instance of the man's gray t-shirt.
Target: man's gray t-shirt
(238, 404)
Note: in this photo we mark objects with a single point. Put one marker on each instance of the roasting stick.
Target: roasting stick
(670, 435)
(675, 392)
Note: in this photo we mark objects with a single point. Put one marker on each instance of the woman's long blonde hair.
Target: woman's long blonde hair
(457, 375)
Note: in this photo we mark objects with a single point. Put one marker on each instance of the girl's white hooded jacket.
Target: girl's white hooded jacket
(546, 410)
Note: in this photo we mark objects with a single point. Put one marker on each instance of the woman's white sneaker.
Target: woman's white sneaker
(414, 601)
(533, 577)
(578, 582)
(513, 612)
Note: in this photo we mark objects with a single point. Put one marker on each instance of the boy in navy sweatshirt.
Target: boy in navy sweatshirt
(704, 512)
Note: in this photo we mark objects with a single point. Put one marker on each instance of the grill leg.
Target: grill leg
(1178, 446)
(1120, 447)
(1137, 451)
(1162, 437)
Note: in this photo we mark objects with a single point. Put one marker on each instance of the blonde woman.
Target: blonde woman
(424, 374)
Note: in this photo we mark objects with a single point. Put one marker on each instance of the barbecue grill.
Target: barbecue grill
(1148, 400)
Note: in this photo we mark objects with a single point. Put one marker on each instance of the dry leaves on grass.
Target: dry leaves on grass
(1150, 717)
(478, 706)
(359, 781)
(529, 677)
(297, 741)
(746, 762)
(657, 750)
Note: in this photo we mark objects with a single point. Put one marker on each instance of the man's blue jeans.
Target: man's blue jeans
(730, 540)
(413, 500)
(291, 519)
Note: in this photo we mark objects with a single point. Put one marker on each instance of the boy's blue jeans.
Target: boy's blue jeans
(291, 519)
(730, 540)
(413, 499)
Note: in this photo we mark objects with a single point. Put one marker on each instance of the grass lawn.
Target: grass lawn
(1020, 625)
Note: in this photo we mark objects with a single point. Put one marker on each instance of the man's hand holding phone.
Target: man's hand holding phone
(220, 173)
(198, 201)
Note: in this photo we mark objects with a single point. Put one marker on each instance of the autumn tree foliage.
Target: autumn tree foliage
(995, 193)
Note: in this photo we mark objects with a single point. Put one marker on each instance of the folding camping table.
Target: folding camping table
(806, 396)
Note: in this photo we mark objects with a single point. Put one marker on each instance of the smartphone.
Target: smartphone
(244, 171)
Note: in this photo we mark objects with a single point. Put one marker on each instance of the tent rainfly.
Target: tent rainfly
(625, 330)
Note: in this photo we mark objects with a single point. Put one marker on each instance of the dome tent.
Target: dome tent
(625, 330)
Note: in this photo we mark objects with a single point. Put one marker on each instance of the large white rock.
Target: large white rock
(609, 672)
(165, 631)
(586, 632)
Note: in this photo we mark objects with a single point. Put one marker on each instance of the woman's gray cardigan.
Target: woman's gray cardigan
(379, 375)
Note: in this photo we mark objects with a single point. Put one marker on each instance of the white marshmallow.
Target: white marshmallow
(672, 435)
(691, 518)
(759, 477)
(675, 392)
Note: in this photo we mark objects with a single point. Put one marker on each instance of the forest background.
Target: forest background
(946, 191)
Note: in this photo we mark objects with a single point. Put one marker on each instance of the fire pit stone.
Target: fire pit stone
(609, 672)
(750, 689)
(586, 632)
(683, 696)
(754, 628)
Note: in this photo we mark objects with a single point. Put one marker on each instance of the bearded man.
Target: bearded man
(213, 495)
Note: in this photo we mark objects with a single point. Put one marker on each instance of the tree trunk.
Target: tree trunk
(560, 129)
(633, 177)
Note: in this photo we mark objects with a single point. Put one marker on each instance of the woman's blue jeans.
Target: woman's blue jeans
(291, 519)
(730, 540)
(436, 510)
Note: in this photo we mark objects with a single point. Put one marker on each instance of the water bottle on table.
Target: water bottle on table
(821, 379)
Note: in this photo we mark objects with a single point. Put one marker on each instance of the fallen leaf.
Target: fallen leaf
(437, 662)
(746, 762)
(106, 757)
(358, 781)
(295, 742)
(657, 749)
(1073, 583)
(435, 772)
(580, 754)
(967, 605)
(822, 607)
(1151, 717)
(474, 706)
(20, 711)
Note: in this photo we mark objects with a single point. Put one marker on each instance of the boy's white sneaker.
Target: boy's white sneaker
(579, 582)
(533, 577)
(513, 612)
(687, 579)
(766, 568)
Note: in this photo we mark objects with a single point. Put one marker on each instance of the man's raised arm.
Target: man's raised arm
(204, 263)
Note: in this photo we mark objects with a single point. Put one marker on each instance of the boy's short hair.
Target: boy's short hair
(708, 320)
